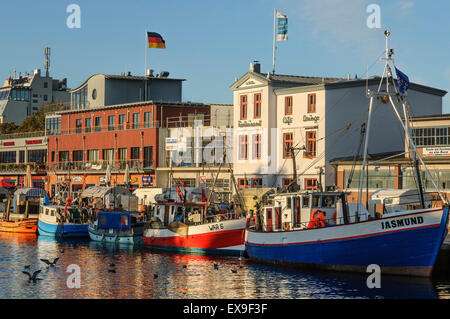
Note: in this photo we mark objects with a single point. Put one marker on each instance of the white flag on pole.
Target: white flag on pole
(282, 27)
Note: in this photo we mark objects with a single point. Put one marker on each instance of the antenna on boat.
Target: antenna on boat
(387, 96)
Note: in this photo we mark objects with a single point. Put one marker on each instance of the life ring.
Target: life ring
(318, 221)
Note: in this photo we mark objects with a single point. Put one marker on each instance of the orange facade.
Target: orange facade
(117, 139)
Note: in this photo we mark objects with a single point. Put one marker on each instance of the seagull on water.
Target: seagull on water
(32, 277)
(49, 263)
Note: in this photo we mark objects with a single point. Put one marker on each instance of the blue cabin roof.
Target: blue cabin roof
(117, 220)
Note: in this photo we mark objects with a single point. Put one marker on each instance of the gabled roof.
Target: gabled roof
(283, 80)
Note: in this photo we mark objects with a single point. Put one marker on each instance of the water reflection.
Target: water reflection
(143, 273)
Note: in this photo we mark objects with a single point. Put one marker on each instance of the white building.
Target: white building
(319, 117)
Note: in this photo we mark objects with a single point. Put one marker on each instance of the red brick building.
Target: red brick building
(82, 144)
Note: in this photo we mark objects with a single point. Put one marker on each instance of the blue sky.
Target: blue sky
(211, 42)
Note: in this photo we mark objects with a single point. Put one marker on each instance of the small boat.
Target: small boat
(22, 217)
(62, 221)
(117, 227)
(322, 230)
(24, 225)
(193, 226)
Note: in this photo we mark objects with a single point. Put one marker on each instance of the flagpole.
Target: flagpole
(274, 39)
(146, 66)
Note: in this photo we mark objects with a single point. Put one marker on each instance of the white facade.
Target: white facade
(333, 121)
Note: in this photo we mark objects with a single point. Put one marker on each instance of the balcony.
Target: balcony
(134, 166)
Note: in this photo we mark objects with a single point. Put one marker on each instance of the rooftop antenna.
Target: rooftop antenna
(47, 61)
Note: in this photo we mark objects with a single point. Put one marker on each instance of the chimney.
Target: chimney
(255, 66)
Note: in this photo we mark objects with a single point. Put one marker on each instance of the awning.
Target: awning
(31, 192)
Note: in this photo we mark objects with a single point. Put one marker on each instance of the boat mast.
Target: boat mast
(385, 96)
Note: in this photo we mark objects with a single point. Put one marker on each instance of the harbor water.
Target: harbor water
(139, 272)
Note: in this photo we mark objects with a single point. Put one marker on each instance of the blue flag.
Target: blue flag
(282, 27)
(403, 81)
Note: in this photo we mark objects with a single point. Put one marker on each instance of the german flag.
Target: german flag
(155, 40)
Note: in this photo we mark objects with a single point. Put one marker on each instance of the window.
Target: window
(63, 156)
(8, 157)
(135, 120)
(21, 156)
(121, 121)
(77, 156)
(257, 105)
(98, 124)
(92, 155)
(257, 146)
(288, 105)
(148, 119)
(243, 107)
(111, 122)
(305, 201)
(310, 144)
(148, 156)
(286, 181)
(310, 183)
(287, 145)
(243, 147)
(45, 85)
(108, 155)
(78, 126)
(38, 156)
(311, 103)
(242, 183)
(256, 182)
(87, 125)
(53, 126)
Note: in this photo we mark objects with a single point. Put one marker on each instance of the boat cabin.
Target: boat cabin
(63, 214)
(187, 213)
(303, 210)
(117, 220)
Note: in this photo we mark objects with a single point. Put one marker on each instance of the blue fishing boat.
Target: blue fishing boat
(62, 221)
(322, 230)
(117, 227)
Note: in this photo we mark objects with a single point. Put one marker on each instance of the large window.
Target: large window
(310, 144)
(288, 139)
(78, 126)
(430, 136)
(148, 119)
(378, 178)
(87, 125)
(243, 107)
(108, 155)
(121, 121)
(79, 98)
(148, 156)
(111, 123)
(243, 147)
(310, 183)
(136, 120)
(257, 105)
(288, 105)
(311, 103)
(8, 157)
(256, 146)
(53, 126)
(37, 156)
(93, 156)
(77, 156)
(98, 124)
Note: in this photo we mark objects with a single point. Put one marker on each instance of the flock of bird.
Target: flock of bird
(32, 277)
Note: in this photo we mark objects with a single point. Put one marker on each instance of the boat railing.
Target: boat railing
(291, 226)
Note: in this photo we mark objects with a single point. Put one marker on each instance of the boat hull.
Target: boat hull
(104, 235)
(400, 245)
(62, 230)
(28, 226)
(224, 238)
